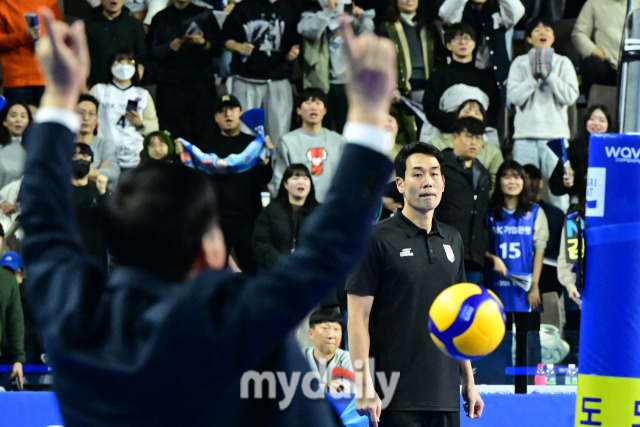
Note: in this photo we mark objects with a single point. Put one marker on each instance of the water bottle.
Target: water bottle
(574, 378)
(571, 374)
(551, 375)
(540, 378)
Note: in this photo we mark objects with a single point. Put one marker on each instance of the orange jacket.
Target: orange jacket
(19, 64)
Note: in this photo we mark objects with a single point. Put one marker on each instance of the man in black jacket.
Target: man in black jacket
(183, 39)
(109, 29)
(169, 338)
(466, 199)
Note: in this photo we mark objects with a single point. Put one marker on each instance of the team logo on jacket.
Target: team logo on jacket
(317, 156)
(450, 255)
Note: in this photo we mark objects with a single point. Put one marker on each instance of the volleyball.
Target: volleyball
(467, 321)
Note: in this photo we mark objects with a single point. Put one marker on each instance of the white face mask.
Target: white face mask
(123, 71)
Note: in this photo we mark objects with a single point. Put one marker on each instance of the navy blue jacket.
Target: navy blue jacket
(130, 349)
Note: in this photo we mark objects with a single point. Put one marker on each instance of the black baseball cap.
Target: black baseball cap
(227, 101)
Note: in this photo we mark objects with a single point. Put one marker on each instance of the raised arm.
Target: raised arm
(336, 235)
(451, 11)
(52, 251)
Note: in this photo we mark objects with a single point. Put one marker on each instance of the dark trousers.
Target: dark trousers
(527, 345)
(596, 71)
(336, 115)
(28, 94)
(237, 238)
(420, 419)
(186, 112)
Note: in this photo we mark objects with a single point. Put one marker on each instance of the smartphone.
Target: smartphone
(15, 384)
(32, 19)
(132, 105)
(193, 29)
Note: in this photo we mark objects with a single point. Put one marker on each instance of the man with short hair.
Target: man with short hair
(411, 259)
(313, 145)
(11, 320)
(183, 39)
(105, 159)
(263, 39)
(110, 28)
(89, 202)
(465, 203)
(326, 357)
(170, 314)
(460, 80)
(238, 194)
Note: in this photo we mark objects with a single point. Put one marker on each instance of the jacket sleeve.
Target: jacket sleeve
(451, 11)
(521, 85)
(320, 263)
(140, 43)
(313, 24)
(267, 255)
(149, 116)
(15, 325)
(279, 163)
(158, 49)
(564, 82)
(63, 282)
(582, 31)
(511, 11)
(154, 6)
(11, 39)
(113, 170)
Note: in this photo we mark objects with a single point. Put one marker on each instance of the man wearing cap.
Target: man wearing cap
(238, 193)
(11, 317)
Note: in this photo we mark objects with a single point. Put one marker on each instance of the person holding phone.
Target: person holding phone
(23, 80)
(171, 314)
(183, 40)
(127, 111)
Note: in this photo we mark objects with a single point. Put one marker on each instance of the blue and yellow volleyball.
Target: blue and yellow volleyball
(467, 321)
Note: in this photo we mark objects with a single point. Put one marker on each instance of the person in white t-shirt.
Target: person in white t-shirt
(127, 111)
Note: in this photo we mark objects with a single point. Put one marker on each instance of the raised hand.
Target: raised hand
(371, 77)
(63, 55)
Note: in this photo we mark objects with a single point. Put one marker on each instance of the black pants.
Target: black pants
(237, 238)
(419, 419)
(186, 112)
(527, 346)
(30, 95)
(596, 71)
(336, 108)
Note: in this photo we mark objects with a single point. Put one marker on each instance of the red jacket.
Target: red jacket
(19, 64)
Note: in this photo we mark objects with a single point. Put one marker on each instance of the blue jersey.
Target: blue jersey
(512, 240)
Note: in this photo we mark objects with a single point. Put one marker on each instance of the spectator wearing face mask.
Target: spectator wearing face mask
(128, 111)
(88, 201)
(109, 29)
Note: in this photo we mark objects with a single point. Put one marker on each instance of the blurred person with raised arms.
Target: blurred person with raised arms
(114, 340)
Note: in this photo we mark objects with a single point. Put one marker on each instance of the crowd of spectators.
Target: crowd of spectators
(168, 69)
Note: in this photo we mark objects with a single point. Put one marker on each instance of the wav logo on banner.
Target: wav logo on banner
(623, 154)
(596, 186)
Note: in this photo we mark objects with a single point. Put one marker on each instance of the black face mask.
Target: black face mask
(80, 168)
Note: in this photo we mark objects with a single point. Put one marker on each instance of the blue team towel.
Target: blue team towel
(253, 154)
